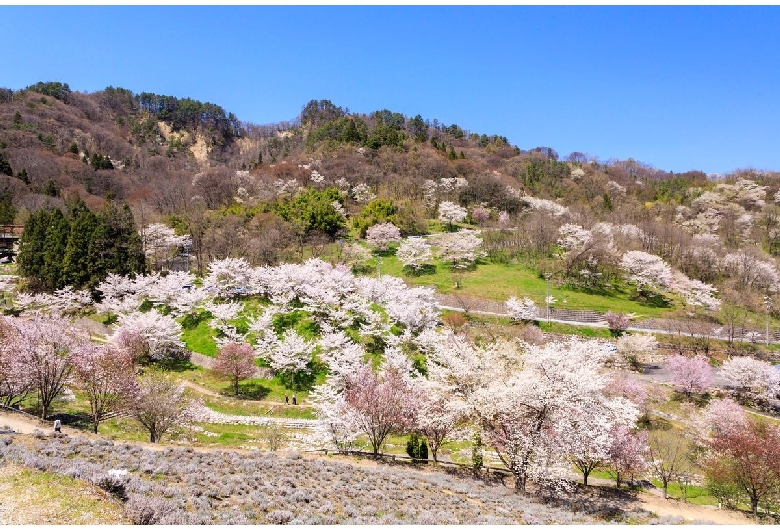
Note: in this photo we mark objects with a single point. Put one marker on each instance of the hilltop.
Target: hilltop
(237, 189)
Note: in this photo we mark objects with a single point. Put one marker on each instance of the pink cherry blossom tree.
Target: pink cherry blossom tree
(690, 375)
(724, 416)
(234, 362)
(627, 453)
(381, 402)
(617, 322)
(46, 349)
(480, 214)
(15, 382)
(381, 235)
(108, 379)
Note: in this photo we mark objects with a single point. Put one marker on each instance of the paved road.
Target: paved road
(659, 373)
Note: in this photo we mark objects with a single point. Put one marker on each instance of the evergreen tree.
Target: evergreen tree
(5, 167)
(75, 262)
(23, 176)
(51, 189)
(115, 246)
(7, 210)
(30, 258)
(57, 233)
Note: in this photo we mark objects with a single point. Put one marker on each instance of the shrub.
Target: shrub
(279, 517)
(417, 448)
(141, 509)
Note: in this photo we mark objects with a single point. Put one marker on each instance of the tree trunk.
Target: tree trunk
(585, 477)
(520, 483)
(666, 488)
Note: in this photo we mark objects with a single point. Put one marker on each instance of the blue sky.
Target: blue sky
(679, 88)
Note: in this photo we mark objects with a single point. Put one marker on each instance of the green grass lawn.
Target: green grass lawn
(200, 339)
(694, 494)
(257, 397)
(66, 500)
(498, 282)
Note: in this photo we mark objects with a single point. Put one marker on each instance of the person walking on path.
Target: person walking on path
(57, 426)
(287, 399)
(295, 399)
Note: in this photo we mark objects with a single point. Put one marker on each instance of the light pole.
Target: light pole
(547, 299)
(768, 304)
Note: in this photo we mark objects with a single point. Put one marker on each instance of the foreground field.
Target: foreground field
(54, 479)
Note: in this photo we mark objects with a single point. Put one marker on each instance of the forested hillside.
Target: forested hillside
(185, 276)
(286, 191)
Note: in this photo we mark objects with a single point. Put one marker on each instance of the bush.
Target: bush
(147, 510)
(417, 448)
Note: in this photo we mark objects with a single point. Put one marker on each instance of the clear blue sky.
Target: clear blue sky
(679, 88)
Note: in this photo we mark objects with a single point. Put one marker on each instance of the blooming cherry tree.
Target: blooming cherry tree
(362, 193)
(235, 362)
(381, 403)
(627, 453)
(159, 404)
(690, 374)
(459, 249)
(522, 397)
(450, 213)
(724, 417)
(523, 310)
(107, 377)
(291, 354)
(646, 270)
(633, 347)
(46, 350)
(160, 243)
(159, 333)
(759, 379)
(383, 234)
(414, 252)
(15, 381)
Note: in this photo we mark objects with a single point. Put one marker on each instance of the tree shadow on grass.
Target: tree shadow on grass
(175, 365)
(249, 390)
(78, 420)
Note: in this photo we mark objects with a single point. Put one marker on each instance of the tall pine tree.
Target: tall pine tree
(83, 226)
(57, 233)
(30, 258)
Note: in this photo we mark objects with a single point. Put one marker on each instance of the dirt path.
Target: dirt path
(200, 389)
(690, 512)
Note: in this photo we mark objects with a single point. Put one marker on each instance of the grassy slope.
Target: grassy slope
(35, 497)
(491, 281)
